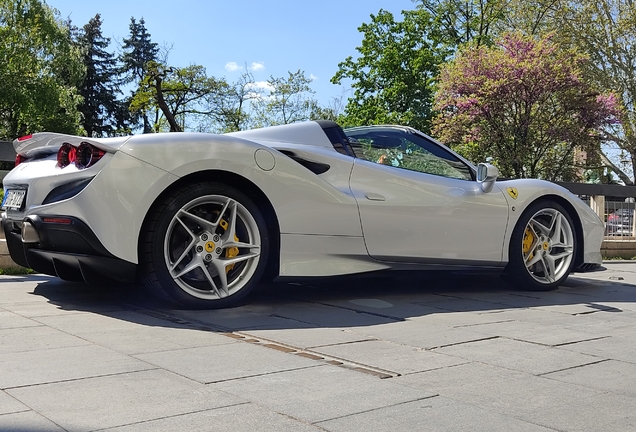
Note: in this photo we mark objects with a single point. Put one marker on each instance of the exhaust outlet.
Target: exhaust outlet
(29, 234)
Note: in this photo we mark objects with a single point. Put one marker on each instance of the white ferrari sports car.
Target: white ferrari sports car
(200, 219)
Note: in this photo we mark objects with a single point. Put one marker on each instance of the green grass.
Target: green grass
(618, 258)
(14, 271)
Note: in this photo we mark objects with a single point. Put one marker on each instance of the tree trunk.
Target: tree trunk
(174, 127)
(147, 128)
(621, 175)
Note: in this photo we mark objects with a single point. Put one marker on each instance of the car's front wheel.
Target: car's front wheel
(542, 247)
(205, 246)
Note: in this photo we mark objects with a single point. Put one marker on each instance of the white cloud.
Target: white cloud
(262, 85)
(256, 66)
(313, 77)
(232, 67)
(260, 90)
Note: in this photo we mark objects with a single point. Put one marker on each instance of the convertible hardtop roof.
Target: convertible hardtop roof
(321, 133)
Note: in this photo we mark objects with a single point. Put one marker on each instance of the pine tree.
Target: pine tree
(103, 113)
(137, 51)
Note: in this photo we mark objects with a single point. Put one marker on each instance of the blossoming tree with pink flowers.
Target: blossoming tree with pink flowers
(524, 103)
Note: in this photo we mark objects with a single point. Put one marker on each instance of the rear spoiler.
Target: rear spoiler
(45, 143)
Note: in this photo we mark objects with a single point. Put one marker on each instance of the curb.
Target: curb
(5, 258)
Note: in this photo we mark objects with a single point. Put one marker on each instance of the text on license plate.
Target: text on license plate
(13, 199)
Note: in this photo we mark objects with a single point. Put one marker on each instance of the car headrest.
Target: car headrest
(390, 142)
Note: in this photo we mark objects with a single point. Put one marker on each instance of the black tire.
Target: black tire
(542, 247)
(205, 246)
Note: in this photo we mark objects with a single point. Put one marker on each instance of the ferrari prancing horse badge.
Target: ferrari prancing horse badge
(513, 193)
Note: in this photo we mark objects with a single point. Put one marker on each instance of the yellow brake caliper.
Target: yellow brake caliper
(230, 252)
(528, 240)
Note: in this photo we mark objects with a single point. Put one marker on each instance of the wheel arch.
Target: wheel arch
(252, 191)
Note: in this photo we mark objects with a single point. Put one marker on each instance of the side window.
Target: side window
(408, 151)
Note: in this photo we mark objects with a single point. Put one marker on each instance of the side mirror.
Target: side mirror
(487, 175)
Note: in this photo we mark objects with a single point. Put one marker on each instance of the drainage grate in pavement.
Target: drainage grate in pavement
(271, 344)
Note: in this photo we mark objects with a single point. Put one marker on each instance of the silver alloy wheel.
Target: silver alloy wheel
(212, 247)
(548, 246)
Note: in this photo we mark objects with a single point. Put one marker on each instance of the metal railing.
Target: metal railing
(615, 205)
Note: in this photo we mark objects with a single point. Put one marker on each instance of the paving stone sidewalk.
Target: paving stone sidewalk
(405, 352)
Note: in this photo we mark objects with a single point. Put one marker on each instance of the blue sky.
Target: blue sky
(270, 37)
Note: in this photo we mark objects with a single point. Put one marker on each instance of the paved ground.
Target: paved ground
(433, 352)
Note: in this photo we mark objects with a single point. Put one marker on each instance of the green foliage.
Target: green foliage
(333, 111)
(393, 78)
(230, 109)
(457, 22)
(103, 114)
(16, 271)
(605, 31)
(524, 103)
(289, 100)
(229, 106)
(39, 71)
(137, 52)
(188, 99)
(181, 94)
(530, 17)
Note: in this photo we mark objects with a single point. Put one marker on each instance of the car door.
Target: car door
(422, 204)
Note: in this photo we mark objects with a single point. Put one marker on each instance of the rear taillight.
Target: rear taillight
(84, 156)
(87, 155)
(66, 155)
(24, 138)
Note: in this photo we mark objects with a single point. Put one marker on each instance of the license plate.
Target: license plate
(13, 199)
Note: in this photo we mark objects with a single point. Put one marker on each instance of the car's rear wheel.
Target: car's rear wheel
(542, 247)
(206, 246)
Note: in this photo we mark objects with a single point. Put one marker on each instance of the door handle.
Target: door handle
(374, 196)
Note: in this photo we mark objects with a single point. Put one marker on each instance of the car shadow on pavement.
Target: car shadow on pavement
(349, 301)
